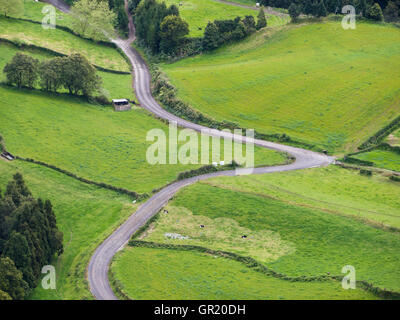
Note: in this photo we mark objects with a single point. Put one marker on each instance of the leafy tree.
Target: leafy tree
(294, 11)
(12, 286)
(79, 76)
(261, 20)
(17, 249)
(308, 8)
(4, 296)
(11, 8)
(92, 19)
(51, 74)
(375, 13)
(172, 30)
(362, 7)
(132, 5)
(29, 237)
(22, 70)
(211, 37)
(239, 32)
(321, 9)
(391, 12)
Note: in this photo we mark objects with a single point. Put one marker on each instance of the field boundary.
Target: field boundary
(258, 267)
(165, 94)
(26, 46)
(132, 194)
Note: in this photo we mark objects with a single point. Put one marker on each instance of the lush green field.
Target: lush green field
(33, 11)
(382, 159)
(317, 83)
(198, 13)
(89, 140)
(115, 85)
(85, 214)
(62, 42)
(169, 274)
(293, 223)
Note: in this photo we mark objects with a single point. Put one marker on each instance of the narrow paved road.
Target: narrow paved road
(100, 261)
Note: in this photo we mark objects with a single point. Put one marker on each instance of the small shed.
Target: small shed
(121, 105)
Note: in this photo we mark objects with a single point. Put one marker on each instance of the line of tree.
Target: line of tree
(161, 29)
(371, 9)
(220, 32)
(101, 15)
(29, 239)
(73, 73)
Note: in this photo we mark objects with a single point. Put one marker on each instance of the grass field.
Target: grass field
(62, 42)
(290, 222)
(382, 159)
(89, 140)
(114, 85)
(85, 214)
(197, 13)
(169, 274)
(317, 83)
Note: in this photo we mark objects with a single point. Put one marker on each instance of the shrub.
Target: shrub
(375, 12)
(22, 71)
(365, 172)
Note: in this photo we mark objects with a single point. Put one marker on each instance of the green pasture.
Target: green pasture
(85, 214)
(197, 13)
(168, 274)
(382, 159)
(315, 82)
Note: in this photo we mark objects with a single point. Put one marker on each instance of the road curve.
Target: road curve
(99, 263)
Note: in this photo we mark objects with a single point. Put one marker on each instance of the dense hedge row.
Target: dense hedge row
(165, 92)
(378, 137)
(395, 178)
(257, 266)
(206, 169)
(348, 159)
(22, 45)
(132, 194)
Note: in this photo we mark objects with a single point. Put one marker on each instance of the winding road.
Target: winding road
(99, 263)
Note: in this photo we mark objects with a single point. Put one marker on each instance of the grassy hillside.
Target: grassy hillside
(91, 141)
(169, 274)
(382, 159)
(292, 222)
(62, 42)
(85, 214)
(114, 85)
(198, 13)
(317, 82)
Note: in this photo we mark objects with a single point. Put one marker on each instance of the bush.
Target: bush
(365, 172)
(395, 178)
(22, 71)
(375, 12)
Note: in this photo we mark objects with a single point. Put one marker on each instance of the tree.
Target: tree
(51, 74)
(321, 9)
(11, 8)
(12, 286)
(250, 24)
(93, 19)
(294, 11)
(22, 70)
(172, 30)
(363, 7)
(261, 20)
(79, 76)
(308, 8)
(391, 12)
(211, 37)
(375, 13)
